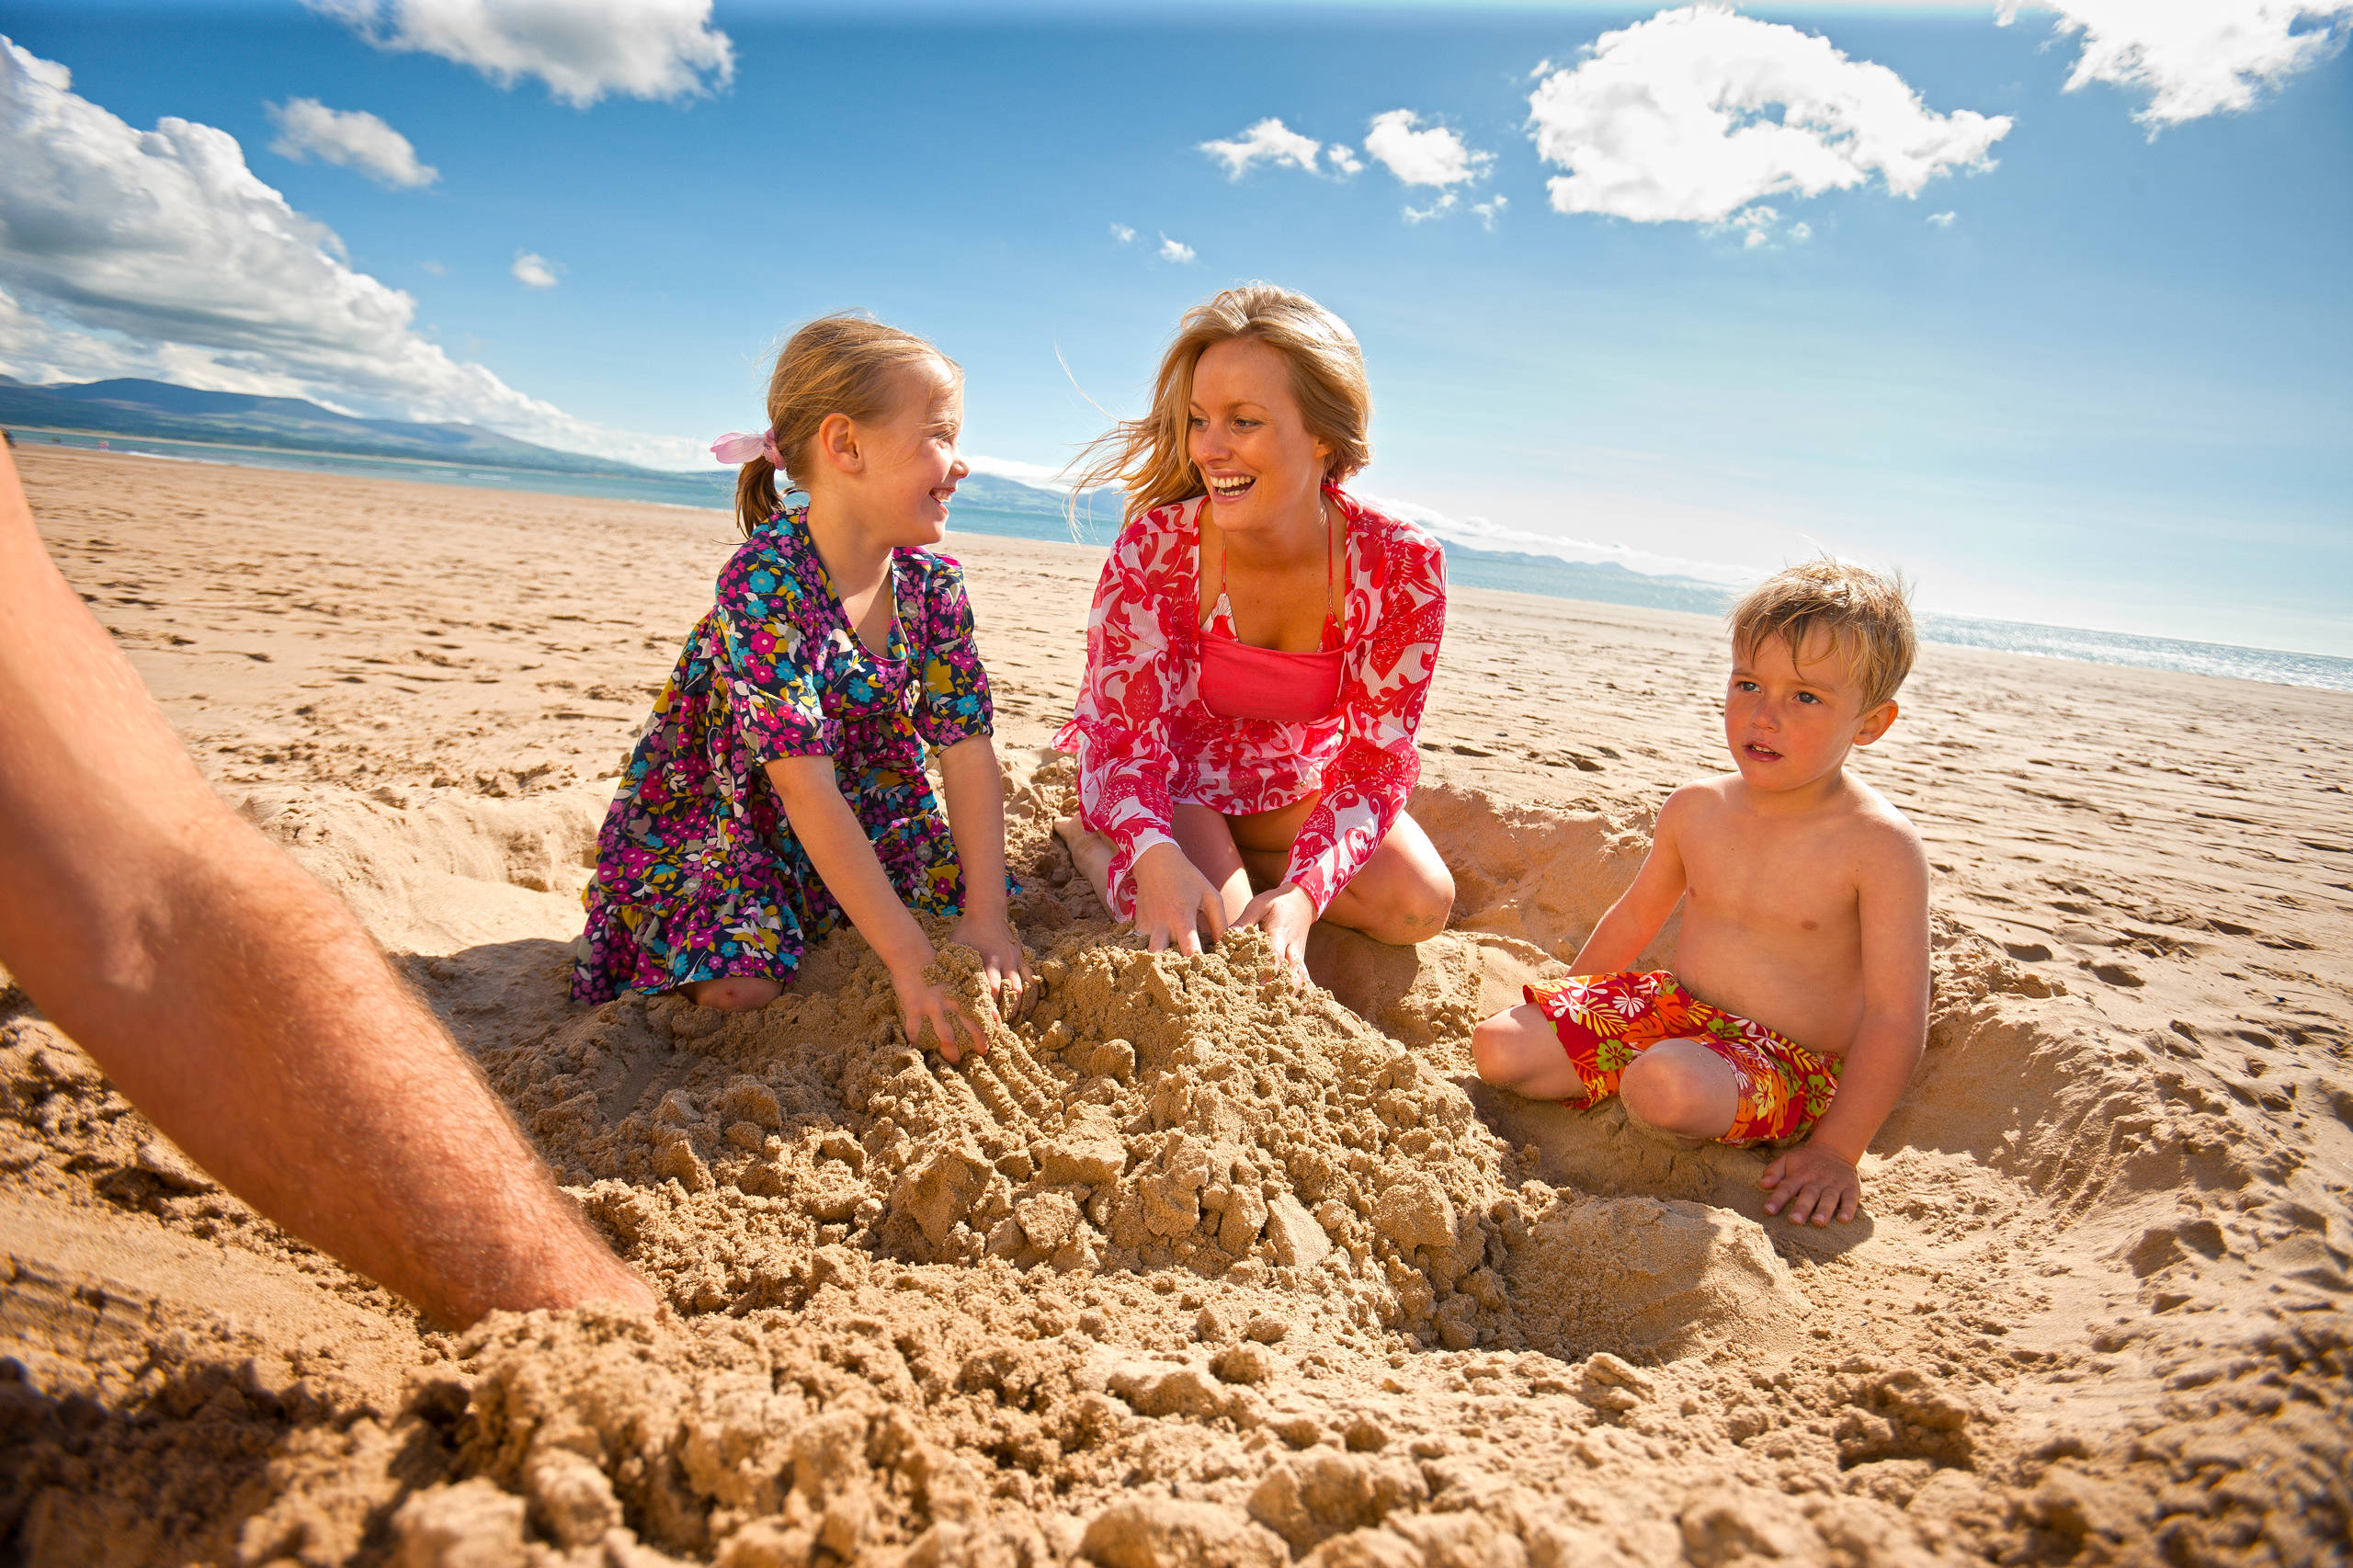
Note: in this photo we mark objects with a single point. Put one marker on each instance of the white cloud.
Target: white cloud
(354, 137)
(1943, 220)
(1344, 161)
(160, 253)
(1435, 210)
(1667, 121)
(1177, 250)
(1436, 157)
(583, 50)
(1759, 225)
(1491, 209)
(435, 268)
(534, 270)
(2195, 57)
(1269, 141)
(1480, 533)
(1122, 234)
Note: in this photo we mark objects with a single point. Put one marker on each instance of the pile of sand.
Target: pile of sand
(1189, 1270)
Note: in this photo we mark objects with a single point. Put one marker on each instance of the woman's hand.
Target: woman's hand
(1286, 912)
(1173, 898)
(1003, 959)
(921, 1001)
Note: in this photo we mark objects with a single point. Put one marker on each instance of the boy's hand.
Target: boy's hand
(921, 1001)
(1286, 912)
(1812, 1184)
(1004, 961)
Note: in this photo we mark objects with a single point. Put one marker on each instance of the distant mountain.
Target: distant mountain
(161, 411)
(1605, 581)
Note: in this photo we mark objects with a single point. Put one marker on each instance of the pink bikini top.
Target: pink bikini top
(1242, 681)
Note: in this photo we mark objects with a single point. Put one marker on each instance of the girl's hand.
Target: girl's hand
(921, 1001)
(1286, 912)
(1004, 961)
(1173, 898)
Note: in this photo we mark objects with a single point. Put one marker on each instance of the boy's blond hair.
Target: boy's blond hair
(1868, 618)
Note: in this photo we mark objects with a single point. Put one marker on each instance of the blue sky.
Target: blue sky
(2113, 389)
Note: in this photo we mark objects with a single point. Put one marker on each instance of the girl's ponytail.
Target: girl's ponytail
(847, 363)
(755, 495)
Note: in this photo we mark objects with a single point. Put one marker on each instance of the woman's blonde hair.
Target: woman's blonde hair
(847, 363)
(1146, 457)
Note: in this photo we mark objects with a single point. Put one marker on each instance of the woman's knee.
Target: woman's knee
(1412, 903)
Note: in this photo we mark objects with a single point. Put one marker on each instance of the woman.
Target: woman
(1260, 650)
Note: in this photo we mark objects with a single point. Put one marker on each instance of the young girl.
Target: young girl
(1260, 650)
(780, 784)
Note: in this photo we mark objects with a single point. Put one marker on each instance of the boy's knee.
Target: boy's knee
(1494, 1048)
(1668, 1096)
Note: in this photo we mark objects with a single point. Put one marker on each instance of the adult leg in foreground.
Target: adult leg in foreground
(236, 1003)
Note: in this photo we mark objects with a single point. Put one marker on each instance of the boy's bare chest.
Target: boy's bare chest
(1801, 883)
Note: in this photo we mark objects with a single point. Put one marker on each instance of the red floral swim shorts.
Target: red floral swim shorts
(1605, 1021)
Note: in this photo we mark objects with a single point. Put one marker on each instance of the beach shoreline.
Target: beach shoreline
(2097, 1310)
(1555, 577)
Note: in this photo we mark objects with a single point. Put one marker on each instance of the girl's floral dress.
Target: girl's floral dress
(699, 875)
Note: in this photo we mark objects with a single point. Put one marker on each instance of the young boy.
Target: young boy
(1805, 918)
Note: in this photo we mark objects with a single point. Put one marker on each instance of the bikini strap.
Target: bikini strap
(1331, 589)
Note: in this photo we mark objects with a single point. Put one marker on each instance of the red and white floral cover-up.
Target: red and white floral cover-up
(1145, 740)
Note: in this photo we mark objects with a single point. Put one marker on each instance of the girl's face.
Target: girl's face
(1257, 460)
(908, 468)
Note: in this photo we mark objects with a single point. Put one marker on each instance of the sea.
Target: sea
(1604, 583)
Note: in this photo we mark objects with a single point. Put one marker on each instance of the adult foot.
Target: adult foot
(1091, 853)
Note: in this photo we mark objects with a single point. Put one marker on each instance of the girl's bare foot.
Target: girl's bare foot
(1091, 853)
(733, 992)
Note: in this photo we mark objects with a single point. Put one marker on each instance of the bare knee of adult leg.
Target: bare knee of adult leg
(1411, 905)
(735, 993)
(1675, 1095)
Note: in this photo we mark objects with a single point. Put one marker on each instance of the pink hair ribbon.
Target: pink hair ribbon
(738, 448)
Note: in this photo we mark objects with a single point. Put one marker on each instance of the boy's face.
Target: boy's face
(1790, 715)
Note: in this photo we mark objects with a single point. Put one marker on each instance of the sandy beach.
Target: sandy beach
(1187, 1271)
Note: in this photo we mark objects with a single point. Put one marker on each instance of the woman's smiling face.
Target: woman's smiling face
(1259, 463)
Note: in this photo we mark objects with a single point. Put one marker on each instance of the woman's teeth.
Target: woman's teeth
(1229, 488)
